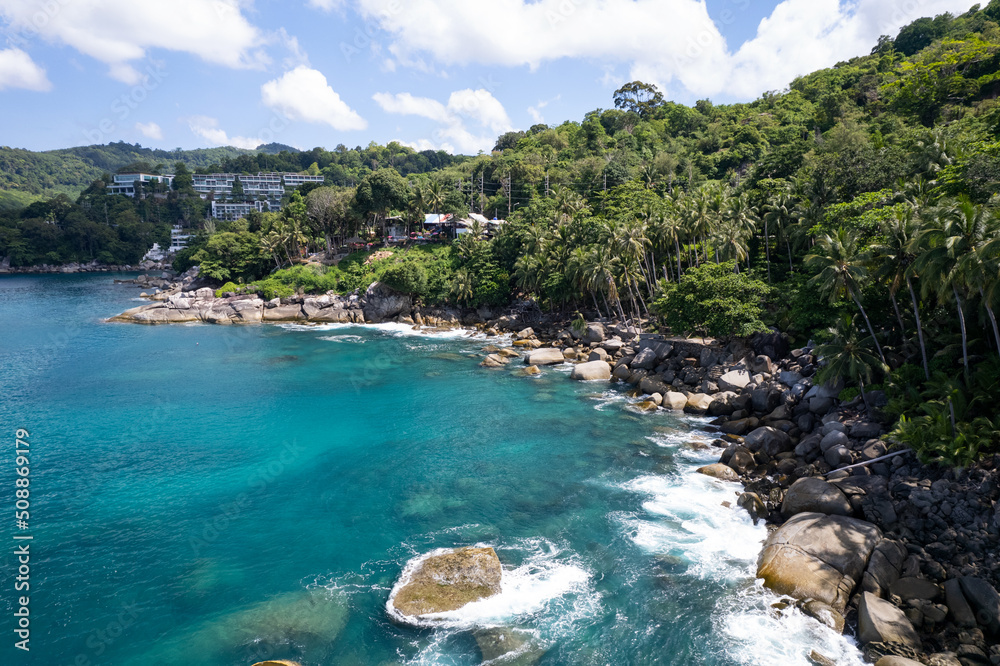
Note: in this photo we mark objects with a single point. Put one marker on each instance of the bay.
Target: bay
(223, 495)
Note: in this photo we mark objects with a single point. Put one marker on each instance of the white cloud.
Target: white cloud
(18, 70)
(326, 5)
(536, 111)
(208, 129)
(150, 131)
(407, 105)
(117, 34)
(477, 106)
(673, 44)
(304, 94)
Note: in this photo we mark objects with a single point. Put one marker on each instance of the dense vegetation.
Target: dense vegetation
(26, 176)
(857, 209)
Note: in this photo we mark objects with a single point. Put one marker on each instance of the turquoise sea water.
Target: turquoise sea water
(217, 496)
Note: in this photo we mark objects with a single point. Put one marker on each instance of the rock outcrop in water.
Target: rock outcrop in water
(378, 304)
(445, 581)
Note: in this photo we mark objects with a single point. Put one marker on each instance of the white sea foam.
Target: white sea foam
(759, 635)
(353, 339)
(392, 329)
(607, 399)
(684, 517)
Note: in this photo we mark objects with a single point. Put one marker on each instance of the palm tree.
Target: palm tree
(952, 260)
(434, 196)
(978, 265)
(462, 287)
(841, 270)
(896, 252)
(780, 211)
(848, 358)
(599, 272)
(270, 244)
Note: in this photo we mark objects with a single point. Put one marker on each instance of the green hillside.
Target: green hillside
(27, 176)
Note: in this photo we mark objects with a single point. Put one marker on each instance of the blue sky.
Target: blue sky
(448, 74)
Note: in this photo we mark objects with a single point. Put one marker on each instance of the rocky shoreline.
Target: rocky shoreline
(92, 267)
(902, 555)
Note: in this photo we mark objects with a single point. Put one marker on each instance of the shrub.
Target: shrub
(849, 394)
(229, 286)
(714, 300)
(406, 277)
(271, 288)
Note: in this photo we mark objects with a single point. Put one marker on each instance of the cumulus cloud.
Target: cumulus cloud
(304, 94)
(18, 70)
(118, 35)
(208, 129)
(478, 107)
(676, 44)
(151, 131)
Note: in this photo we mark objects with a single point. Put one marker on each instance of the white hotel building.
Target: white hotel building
(261, 192)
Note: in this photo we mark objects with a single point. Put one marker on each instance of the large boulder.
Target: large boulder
(644, 360)
(774, 345)
(595, 333)
(592, 371)
(895, 660)
(769, 440)
(445, 580)
(816, 496)
(651, 385)
(547, 356)
(734, 380)
(284, 313)
(698, 403)
(382, 303)
(722, 404)
(881, 622)
(813, 556)
(985, 602)
(720, 471)
(674, 401)
(958, 606)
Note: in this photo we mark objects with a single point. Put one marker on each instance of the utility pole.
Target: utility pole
(510, 195)
(546, 183)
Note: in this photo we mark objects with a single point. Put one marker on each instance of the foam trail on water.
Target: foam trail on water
(392, 329)
(685, 518)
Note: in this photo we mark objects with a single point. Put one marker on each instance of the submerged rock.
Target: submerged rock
(302, 626)
(445, 581)
(508, 646)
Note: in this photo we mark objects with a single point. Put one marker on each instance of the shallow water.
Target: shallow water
(221, 495)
